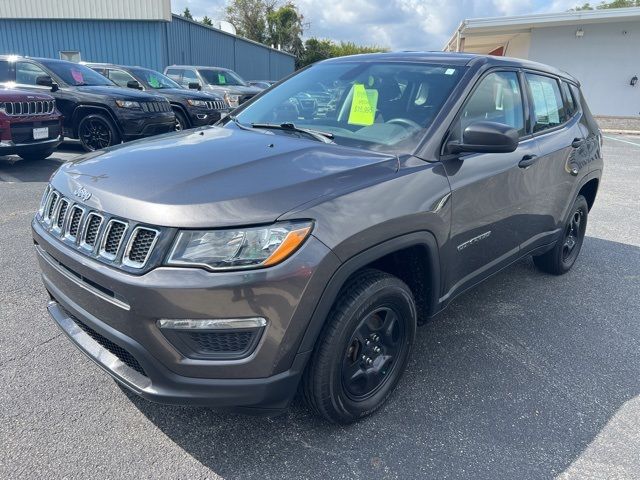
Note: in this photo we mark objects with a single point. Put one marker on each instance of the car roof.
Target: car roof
(454, 59)
(200, 67)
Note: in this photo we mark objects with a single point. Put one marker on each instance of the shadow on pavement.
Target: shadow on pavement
(15, 169)
(514, 380)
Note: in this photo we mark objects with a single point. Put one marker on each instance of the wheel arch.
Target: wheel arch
(183, 111)
(589, 190)
(382, 257)
(82, 111)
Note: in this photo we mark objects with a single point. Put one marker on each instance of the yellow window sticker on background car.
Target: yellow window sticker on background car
(363, 106)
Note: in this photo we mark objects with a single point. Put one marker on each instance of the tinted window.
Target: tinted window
(27, 73)
(4, 72)
(154, 79)
(497, 99)
(221, 77)
(383, 106)
(189, 76)
(75, 74)
(174, 74)
(120, 78)
(548, 107)
(569, 104)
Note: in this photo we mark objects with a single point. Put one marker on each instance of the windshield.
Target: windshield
(77, 75)
(221, 77)
(380, 106)
(154, 79)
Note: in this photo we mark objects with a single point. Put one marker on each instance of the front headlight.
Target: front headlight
(232, 100)
(197, 103)
(127, 104)
(240, 248)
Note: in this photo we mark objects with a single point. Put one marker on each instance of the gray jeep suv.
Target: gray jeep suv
(294, 247)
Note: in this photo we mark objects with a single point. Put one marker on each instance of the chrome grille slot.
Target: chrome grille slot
(216, 104)
(74, 223)
(62, 212)
(51, 205)
(155, 106)
(91, 231)
(140, 246)
(112, 239)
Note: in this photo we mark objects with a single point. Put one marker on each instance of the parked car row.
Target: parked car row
(104, 104)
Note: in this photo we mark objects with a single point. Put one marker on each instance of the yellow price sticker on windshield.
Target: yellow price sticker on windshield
(363, 106)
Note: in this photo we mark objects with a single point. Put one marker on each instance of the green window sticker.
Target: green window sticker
(363, 106)
(153, 81)
(221, 79)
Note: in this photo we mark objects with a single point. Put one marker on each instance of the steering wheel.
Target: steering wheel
(405, 122)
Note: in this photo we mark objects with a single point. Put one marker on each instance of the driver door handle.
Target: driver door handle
(527, 161)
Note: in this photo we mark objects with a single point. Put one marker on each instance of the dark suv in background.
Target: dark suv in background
(287, 250)
(191, 107)
(95, 109)
(222, 81)
(30, 124)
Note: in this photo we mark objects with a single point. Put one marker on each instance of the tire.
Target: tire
(36, 156)
(96, 132)
(346, 379)
(564, 254)
(181, 120)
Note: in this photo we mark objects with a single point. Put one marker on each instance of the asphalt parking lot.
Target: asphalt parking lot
(526, 376)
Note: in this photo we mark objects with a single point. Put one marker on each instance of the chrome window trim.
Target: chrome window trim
(125, 258)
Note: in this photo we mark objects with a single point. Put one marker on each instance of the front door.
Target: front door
(487, 188)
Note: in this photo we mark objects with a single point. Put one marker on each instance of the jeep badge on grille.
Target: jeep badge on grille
(82, 193)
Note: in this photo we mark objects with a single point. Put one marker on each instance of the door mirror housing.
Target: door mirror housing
(195, 86)
(134, 84)
(47, 81)
(486, 137)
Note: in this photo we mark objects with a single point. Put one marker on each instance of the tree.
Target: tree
(187, 13)
(207, 21)
(606, 6)
(250, 17)
(316, 50)
(285, 28)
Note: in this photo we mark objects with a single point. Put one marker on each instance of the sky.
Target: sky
(394, 24)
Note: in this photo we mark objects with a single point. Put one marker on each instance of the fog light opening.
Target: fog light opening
(212, 324)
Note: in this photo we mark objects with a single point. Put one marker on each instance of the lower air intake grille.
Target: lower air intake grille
(223, 342)
(124, 356)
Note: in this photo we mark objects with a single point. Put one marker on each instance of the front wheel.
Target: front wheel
(181, 121)
(363, 350)
(97, 132)
(561, 258)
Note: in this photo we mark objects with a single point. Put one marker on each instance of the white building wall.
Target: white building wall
(519, 46)
(87, 9)
(604, 60)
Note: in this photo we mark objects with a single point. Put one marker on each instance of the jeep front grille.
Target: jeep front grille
(38, 107)
(216, 104)
(155, 106)
(116, 241)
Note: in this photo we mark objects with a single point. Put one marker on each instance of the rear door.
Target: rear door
(487, 188)
(555, 125)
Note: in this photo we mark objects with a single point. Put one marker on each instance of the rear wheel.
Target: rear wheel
(96, 132)
(363, 350)
(561, 258)
(35, 156)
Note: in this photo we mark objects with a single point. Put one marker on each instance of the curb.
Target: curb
(620, 131)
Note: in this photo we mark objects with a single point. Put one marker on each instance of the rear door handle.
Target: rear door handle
(527, 161)
(577, 142)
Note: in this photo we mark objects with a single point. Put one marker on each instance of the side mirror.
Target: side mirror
(486, 137)
(134, 84)
(195, 86)
(44, 80)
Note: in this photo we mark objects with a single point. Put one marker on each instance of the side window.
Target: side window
(189, 76)
(5, 74)
(27, 73)
(570, 106)
(548, 107)
(120, 78)
(497, 99)
(174, 74)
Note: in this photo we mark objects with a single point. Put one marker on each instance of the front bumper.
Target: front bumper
(138, 125)
(285, 295)
(201, 118)
(7, 147)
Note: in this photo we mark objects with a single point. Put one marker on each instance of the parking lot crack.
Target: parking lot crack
(31, 350)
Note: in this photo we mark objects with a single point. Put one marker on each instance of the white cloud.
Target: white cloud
(395, 24)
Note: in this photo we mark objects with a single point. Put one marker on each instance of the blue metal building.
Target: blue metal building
(153, 43)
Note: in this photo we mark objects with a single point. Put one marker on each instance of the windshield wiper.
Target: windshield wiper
(237, 122)
(324, 137)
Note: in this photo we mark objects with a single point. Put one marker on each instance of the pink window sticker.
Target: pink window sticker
(77, 75)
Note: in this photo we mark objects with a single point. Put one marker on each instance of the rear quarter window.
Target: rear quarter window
(548, 105)
(570, 105)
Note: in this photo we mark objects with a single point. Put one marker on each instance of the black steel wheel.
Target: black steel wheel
(363, 349)
(97, 132)
(564, 254)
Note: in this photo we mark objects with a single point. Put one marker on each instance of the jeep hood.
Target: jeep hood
(214, 177)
